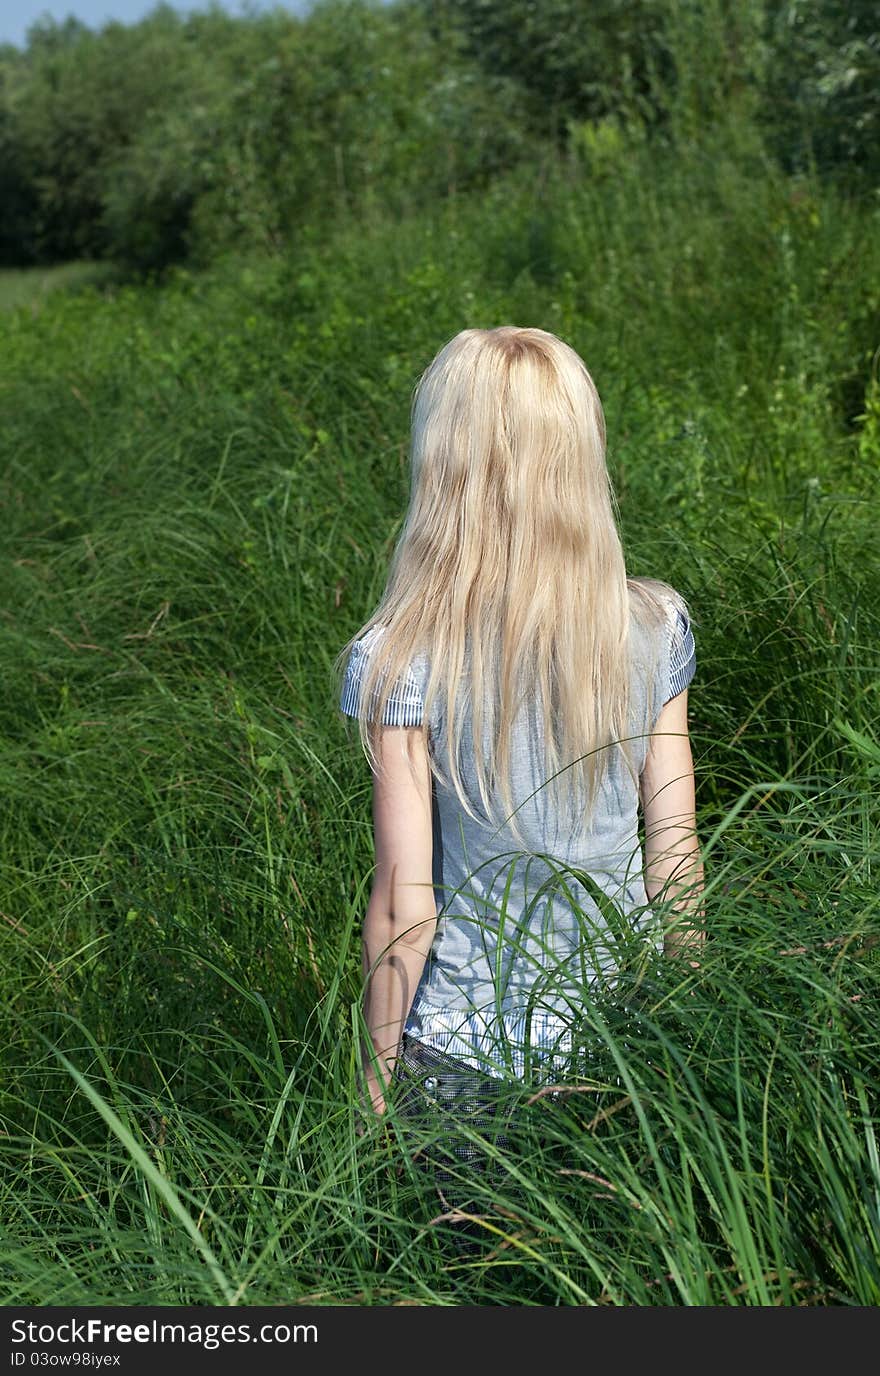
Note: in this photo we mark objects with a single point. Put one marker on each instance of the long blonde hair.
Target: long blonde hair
(508, 572)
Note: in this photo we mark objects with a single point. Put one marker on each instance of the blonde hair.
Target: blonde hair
(509, 571)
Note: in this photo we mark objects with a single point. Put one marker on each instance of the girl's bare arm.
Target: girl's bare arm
(401, 915)
(673, 868)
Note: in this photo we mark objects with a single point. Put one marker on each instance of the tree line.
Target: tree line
(181, 137)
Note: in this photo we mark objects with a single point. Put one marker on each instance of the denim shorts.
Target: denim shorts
(457, 1115)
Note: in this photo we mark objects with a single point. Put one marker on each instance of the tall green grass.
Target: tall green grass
(202, 482)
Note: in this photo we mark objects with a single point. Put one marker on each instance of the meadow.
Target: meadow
(202, 480)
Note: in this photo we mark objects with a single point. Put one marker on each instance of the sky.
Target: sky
(16, 16)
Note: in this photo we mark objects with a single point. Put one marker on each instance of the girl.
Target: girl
(519, 698)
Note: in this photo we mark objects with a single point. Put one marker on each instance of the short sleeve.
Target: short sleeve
(405, 703)
(682, 654)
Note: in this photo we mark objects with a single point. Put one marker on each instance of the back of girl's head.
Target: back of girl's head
(508, 570)
(508, 422)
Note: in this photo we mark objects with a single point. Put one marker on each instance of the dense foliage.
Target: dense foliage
(178, 137)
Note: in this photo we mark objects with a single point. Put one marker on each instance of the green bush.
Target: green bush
(822, 102)
(177, 139)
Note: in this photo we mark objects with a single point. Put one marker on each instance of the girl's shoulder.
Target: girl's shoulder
(657, 600)
(405, 703)
(664, 617)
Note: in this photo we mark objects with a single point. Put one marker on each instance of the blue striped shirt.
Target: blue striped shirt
(512, 1026)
